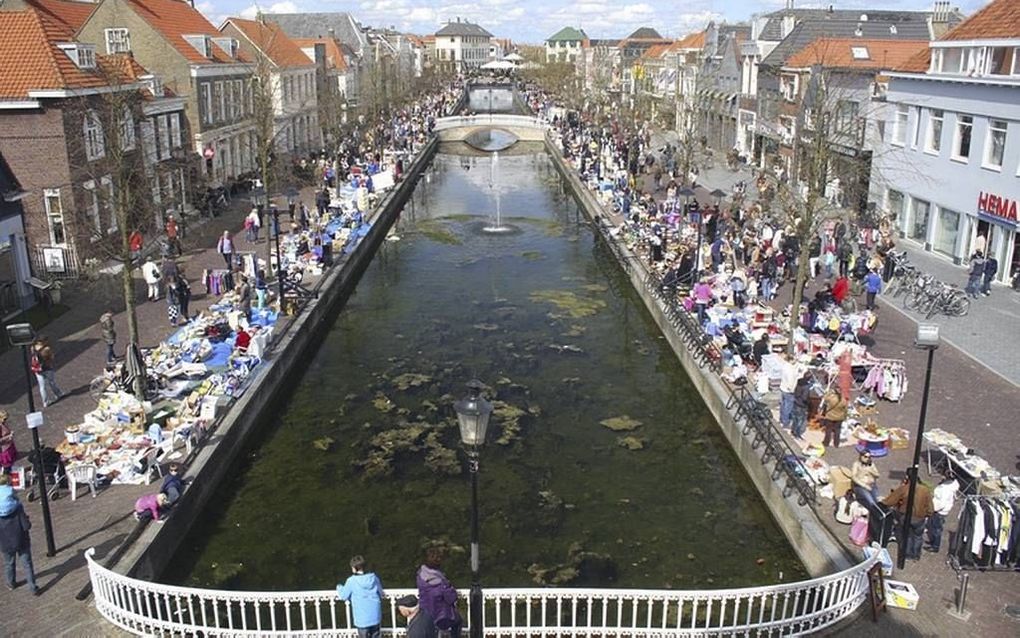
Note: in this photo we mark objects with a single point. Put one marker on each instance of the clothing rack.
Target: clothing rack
(999, 547)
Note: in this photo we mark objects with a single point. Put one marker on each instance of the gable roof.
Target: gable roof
(335, 57)
(30, 59)
(568, 34)
(920, 62)
(999, 19)
(839, 53)
(174, 19)
(463, 29)
(645, 33)
(339, 25)
(808, 31)
(270, 39)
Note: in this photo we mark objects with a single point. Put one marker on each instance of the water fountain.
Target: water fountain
(497, 227)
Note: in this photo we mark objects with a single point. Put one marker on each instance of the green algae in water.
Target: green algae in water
(621, 423)
(293, 516)
(532, 255)
(440, 235)
(568, 302)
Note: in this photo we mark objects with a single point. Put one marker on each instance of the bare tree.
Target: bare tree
(117, 195)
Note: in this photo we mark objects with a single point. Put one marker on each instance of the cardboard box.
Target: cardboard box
(900, 594)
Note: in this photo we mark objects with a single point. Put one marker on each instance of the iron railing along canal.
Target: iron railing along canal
(145, 608)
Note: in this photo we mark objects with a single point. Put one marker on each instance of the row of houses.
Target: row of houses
(88, 86)
(922, 108)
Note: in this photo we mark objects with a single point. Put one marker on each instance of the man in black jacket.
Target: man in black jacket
(419, 623)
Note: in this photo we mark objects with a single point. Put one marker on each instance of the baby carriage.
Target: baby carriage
(54, 472)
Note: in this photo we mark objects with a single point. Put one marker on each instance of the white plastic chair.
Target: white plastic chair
(84, 474)
(150, 458)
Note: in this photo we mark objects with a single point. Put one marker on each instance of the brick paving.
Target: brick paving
(972, 394)
(105, 521)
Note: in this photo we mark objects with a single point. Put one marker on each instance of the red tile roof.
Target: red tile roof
(30, 59)
(270, 39)
(999, 19)
(334, 54)
(656, 51)
(917, 63)
(175, 19)
(692, 41)
(72, 14)
(838, 53)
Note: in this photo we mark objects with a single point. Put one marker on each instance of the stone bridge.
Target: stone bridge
(463, 128)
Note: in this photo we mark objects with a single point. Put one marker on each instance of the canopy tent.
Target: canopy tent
(513, 57)
(499, 65)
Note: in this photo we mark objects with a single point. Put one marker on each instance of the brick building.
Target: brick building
(179, 45)
(67, 111)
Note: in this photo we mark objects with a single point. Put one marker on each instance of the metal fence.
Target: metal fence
(146, 608)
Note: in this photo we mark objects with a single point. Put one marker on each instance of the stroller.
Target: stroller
(54, 472)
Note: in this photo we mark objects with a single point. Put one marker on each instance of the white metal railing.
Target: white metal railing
(147, 608)
(488, 119)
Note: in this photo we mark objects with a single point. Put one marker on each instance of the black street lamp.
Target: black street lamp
(21, 334)
(473, 416)
(927, 338)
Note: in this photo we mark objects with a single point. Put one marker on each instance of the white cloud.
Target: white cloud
(277, 7)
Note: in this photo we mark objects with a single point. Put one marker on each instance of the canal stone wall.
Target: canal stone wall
(149, 555)
(820, 552)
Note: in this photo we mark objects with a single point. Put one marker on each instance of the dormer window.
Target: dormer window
(154, 84)
(229, 46)
(117, 41)
(201, 43)
(83, 55)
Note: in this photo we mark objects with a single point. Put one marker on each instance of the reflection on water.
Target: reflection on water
(603, 465)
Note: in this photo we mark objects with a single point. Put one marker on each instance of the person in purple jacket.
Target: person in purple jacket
(148, 505)
(437, 596)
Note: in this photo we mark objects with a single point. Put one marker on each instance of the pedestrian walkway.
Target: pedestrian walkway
(990, 333)
(967, 397)
(105, 521)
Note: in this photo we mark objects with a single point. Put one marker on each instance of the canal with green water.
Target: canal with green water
(603, 467)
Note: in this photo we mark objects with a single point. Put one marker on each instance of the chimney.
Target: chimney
(332, 33)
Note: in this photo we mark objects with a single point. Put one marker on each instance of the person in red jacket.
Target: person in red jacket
(840, 290)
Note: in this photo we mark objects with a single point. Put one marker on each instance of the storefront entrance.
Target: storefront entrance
(1001, 243)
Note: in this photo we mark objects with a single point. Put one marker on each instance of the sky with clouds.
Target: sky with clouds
(531, 21)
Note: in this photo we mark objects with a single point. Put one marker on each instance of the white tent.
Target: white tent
(498, 65)
(513, 57)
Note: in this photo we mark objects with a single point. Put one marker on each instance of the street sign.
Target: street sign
(34, 420)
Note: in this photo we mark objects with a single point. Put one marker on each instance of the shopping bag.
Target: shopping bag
(859, 532)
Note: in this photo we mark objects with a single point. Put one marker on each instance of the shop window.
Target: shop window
(961, 140)
(919, 220)
(996, 143)
(933, 140)
(947, 232)
(894, 207)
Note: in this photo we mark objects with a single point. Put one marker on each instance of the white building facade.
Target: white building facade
(462, 45)
(949, 169)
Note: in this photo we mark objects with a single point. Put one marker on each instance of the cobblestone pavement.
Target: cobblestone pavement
(105, 521)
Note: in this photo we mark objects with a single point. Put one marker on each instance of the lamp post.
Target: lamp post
(927, 338)
(21, 334)
(473, 416)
